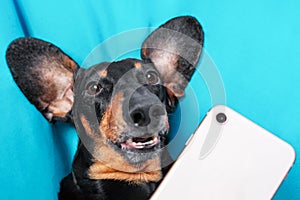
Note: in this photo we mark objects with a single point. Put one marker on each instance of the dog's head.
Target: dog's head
(120, 109)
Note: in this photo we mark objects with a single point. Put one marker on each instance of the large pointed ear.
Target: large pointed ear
(44, 73)
(175, 48)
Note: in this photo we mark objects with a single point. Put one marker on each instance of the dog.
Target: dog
(119, 109)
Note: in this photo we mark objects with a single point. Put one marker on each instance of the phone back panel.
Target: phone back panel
(233, 160)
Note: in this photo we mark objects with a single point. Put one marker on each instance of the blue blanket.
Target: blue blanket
(251, 63)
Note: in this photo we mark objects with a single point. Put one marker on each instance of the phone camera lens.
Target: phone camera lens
(221, 118)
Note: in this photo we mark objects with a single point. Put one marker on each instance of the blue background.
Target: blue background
(254, 44)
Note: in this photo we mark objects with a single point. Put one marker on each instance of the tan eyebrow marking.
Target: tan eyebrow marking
(103, 73)
(137, 65)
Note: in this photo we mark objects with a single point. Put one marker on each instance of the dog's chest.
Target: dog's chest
(115, 190)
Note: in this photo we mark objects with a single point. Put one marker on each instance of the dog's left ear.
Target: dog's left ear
(175, 48)
(45, 75)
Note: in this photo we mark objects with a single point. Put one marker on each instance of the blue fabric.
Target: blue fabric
(253, 43)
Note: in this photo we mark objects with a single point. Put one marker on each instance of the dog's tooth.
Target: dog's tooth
(149, 142)
(137, 143)
(141, 144)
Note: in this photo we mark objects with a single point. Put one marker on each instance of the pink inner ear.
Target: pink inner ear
(175, 89)
(57, 82)
(166, 63)
(61, 106)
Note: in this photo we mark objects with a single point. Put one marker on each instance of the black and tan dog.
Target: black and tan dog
(120, 109)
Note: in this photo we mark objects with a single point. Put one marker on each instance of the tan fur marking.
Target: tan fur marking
(112, 159)
(144, 51)
(69, 63)
(100, 171)
(86, 126)
(137, 65)
(103, 73)
(112, 120)
(111, 165)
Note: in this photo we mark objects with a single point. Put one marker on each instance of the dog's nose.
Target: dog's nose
(143, 116)
(139, 117)
(144, 108)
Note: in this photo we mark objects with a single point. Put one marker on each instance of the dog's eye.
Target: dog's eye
(94, 88)
(152, 77)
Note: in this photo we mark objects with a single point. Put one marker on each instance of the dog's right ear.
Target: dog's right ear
(174, 48)
(44, 73)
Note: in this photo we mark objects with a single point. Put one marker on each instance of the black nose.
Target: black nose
(144, 108)
(143, 115)
(140, 117)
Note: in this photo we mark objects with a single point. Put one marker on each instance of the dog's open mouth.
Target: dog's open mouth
(137, 143)
(139, 149)
(141, 144)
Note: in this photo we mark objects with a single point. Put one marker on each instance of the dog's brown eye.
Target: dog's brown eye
(94, 88)
(152, 77)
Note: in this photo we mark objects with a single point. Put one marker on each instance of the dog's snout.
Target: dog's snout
(157, 110)
(144, 107)
(143, 116)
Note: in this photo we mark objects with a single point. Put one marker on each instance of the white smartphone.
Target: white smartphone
(228, 157)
